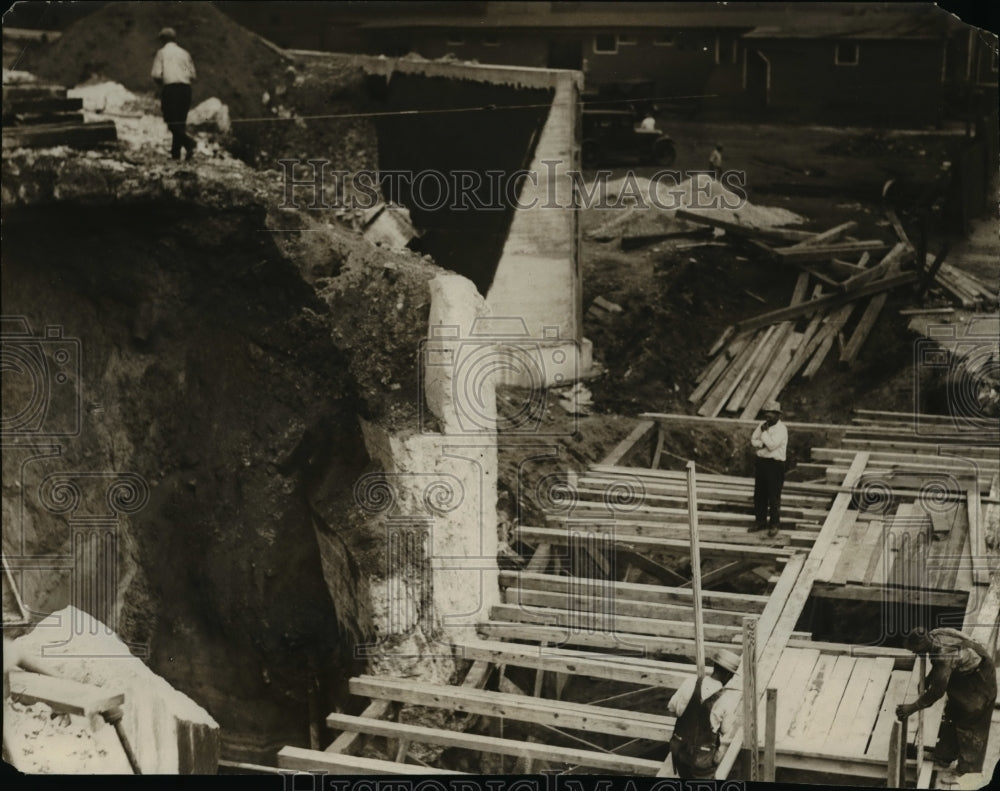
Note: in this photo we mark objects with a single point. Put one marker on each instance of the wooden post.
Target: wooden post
(658, 451)
(920, 714)
(750, 696)
(893, 779)
(699, 630)
(770, 735)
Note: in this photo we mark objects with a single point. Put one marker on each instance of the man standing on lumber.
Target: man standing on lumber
(963, 670)
(702, 724)
(770, 441)
(173, 71)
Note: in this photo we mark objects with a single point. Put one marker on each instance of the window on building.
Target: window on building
(846, 55)
(455, 39)
(605, 44)
(626, 39)
(491, 40)
(663, 40)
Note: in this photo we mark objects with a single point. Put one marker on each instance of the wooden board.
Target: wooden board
(867, 554)
(806, 709)
(39, 135)
(847, 707)
(494, 745)
(879, 746)
(555, 713)
(834, 554)
(62, 694)
(303, 760)
(792, 689)
(832, 690)
(869, 707)
(863, 328)
(954, 557)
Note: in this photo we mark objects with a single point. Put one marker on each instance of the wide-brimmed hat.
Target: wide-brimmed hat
(728, 660)
(771, 406)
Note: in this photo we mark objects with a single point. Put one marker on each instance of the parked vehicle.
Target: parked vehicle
(612, 136)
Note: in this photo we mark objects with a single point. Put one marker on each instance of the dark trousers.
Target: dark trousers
(769, 477)
(175, 101)
(965, 726)
(688, 771)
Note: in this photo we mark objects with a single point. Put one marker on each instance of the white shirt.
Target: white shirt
(721, 716)
(173, 64)
(715, 158)
(771, 443)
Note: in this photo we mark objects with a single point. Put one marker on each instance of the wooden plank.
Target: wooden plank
(494, 745)
(837, 546)
(728, 384)
(977, 537)
(636, 591)
(869, 708)
(824, 708)
(63, 695)
(710, 549)
(555, 713)
(78, 135)
(377, 709)
(773, 372)
(599, 620)
(643, 644)
(826, 236)
(863, 328)
(793, 687)
(762, 359)
(623, 448)
(830, 301)
(590, 600)
(802, 254)
(954, 559)
(897, 757)
(867, 554)
(851, 551)
(825, 338)
(303, 760)
(897, 226)
(806, 700)
(743, 230)
(846, 708)
(878, 747)
(625, 669)
(770, 735)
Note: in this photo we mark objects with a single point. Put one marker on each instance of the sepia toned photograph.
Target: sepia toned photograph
(562, 395)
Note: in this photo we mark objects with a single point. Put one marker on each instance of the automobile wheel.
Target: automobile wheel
(664, 153)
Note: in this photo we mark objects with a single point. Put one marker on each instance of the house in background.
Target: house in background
(849, 63)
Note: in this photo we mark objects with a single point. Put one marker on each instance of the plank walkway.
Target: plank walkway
(896, 520)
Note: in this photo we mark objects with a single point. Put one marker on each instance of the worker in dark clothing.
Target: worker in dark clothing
(703, 723)
(964, 671)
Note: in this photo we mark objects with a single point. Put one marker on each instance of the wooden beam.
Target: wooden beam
(555, 713)
(805, 253)
(770, 717)
(627, 445)
(44, 135)
(305, 760)
(494, 745)
(627, 670)
(636, 591)
(377, 709)
(63, 695)
(710, 549)
(829, 301)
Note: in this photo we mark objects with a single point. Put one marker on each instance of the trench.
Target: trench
(206, 369)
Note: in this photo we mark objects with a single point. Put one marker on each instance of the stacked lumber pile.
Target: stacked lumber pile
(37, 115)
(967, 290)
(754, 360)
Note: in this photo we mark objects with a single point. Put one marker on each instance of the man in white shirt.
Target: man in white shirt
(697, 751)
(173, 70)
(770, 441)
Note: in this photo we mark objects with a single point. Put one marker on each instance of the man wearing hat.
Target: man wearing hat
(703, 724)
(770, 441)
(173, 71)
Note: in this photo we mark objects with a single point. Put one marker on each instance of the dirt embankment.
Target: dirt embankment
(212, 368)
